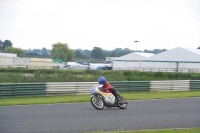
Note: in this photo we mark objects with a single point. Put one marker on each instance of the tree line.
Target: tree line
(6, 47)
(62, 51)
(95, 53)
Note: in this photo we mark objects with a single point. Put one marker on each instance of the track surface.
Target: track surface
(82, 117)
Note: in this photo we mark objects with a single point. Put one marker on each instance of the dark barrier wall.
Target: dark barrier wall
(24, 89)
(194, 84)
(131, 86)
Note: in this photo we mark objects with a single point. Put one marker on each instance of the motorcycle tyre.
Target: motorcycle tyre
(118, 104)
(95, 105)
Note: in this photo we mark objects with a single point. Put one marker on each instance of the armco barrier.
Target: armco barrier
(125, 86)
(56, 88)
(194, 84)
(170, 85)
(64, 88)
(22, 89)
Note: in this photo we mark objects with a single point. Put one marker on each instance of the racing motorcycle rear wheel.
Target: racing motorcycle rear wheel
(97, 102)
(122, 105)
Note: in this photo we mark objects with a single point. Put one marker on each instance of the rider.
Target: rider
(107, 87)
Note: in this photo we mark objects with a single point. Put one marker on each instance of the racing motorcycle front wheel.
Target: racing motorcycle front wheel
(97, 102)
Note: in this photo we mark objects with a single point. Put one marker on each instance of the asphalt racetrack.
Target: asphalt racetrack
(82, 117)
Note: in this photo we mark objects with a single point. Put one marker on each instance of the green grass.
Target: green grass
(86, 98)
(187, 130)
(161, 95)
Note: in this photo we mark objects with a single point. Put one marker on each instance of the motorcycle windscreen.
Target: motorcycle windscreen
(94, 88)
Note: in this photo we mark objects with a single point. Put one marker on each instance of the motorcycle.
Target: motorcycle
(100, 99)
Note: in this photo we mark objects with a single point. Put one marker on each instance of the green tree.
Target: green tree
(62, 51)
(38, 51)
(31, 54)
(7, 43)
(1, 45)
(44, 51)
(78, 54)
(18, 51)
(70, 56)
(198, 48)
(87, 53)
(97, 53)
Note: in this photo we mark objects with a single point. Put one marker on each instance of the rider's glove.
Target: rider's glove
(102, 89)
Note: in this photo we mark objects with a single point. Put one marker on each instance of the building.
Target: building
(6, 59)
(40, 63)
(130, 61)
(174, 60)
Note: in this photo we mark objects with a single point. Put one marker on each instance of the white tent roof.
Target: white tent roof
(177, 54)
(197, 51)
(10, 55)
(135, 56)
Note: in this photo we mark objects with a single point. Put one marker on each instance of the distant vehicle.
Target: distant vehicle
(76, 65)
(100, 66)
(109, 62)
(88, 65)
(84, 63)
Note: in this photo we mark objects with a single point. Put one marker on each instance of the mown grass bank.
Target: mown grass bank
(86, 98)
(11, 75)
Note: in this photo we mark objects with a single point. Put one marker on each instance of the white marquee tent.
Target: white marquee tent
(177, 59)
(178, 55)
(130, 61)
(6, 59)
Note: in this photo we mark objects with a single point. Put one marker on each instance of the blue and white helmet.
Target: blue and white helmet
(102, 80)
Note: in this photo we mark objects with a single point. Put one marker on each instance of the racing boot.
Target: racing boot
(114, 92)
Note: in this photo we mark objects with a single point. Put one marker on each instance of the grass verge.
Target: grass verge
(86, 98)
(186, 130)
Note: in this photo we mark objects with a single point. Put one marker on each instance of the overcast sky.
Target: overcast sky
(108, 24)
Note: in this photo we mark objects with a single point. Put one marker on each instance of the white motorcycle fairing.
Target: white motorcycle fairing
(100, 99)
(109, 98)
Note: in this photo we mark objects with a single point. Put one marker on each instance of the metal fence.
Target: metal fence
(171, 85)
(22, 89)
(141, 69)
(68, 88)
(123, 86)
(195, 85)
(149, 69)
(57, 88)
